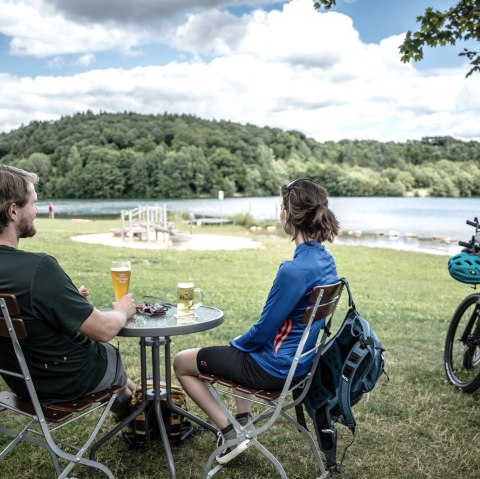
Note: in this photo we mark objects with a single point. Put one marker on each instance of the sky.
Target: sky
(331, 75)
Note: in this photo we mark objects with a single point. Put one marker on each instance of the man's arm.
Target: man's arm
(105, 325)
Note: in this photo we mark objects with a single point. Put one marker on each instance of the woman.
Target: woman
(261, 357)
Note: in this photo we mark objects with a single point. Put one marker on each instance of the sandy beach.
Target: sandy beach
(197, 242)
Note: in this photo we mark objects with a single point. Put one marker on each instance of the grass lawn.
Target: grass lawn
(413, 426)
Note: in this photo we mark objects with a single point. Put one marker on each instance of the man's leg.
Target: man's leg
(115, 375)
(120, 406)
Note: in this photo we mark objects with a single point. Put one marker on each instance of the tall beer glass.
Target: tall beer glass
(121, 272)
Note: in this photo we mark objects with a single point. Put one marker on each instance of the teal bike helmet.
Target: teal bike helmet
(465, 268)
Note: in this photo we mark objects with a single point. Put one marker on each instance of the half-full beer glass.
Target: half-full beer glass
(186, 299)
(121, 272)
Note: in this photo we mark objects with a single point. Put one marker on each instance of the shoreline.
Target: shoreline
(412, 245)
(212, 242)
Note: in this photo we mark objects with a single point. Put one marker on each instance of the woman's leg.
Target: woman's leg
(185, 366)
(243, 403)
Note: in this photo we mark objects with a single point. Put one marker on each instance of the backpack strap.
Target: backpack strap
(356, 355)
(326, 435)
(299, 409)
(351, 304)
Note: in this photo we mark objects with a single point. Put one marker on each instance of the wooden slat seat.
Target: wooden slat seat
(104, 395)
(268, 395)
(260, 393)
(85, 402)
(12, 401)
(247, 390)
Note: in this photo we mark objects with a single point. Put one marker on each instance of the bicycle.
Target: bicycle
(462, 344)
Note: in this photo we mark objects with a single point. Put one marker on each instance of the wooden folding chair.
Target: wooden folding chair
(44, 421)
(273, 404)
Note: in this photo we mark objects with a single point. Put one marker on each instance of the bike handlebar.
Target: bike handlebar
(472, 246)
(473, 223)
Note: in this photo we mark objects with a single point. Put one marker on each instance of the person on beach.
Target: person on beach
(261, 357)
(67, 348)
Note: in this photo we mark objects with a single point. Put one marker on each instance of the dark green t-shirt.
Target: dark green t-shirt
(64, 363)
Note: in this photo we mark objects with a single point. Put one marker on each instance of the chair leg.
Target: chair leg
(222, 405)
(270, 457)
(252, 435)
(17, 437)
(23, 436)
(313, 445)
(51, 445)
(207, 472)
(78, 458)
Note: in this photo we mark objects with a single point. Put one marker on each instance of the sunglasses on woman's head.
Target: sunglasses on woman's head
(294, 182)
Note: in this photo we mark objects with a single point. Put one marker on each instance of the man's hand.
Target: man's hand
(83, 291)
(125, 304)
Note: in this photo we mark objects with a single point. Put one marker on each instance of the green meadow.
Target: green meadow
(413, 425)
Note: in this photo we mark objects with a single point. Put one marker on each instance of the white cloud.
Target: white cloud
(296, 34)
(196, 36)
(39, 31)
(292, 68)
(85, 60)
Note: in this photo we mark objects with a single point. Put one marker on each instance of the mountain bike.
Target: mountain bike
(462, 344)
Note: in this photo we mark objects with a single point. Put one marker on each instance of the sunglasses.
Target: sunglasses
(294, 182)
(153, 306)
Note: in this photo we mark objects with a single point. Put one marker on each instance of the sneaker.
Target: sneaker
(231, 452)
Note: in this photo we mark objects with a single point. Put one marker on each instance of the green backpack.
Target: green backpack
(350, 366)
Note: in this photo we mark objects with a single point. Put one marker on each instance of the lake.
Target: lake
(416, 220)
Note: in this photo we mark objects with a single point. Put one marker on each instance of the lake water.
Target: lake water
(416, 220)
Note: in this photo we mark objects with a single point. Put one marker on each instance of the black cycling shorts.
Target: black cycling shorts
(237, 366)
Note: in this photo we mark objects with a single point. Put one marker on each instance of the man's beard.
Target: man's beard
(26, 229)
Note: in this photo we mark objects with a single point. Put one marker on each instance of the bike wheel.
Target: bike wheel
(462, 345)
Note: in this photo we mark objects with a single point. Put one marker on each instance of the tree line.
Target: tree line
(129, 155)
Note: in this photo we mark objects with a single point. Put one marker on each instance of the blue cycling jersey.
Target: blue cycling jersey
(273, 339)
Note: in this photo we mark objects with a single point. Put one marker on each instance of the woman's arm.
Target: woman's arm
(287, 290)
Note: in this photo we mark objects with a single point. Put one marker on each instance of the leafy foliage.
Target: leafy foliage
(128, 155)
(439, 28)
(460, 22)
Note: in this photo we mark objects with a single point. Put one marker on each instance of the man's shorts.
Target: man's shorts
(238, 366)
(115, 375)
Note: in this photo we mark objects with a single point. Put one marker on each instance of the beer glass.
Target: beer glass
(186, 299)
(121, 272)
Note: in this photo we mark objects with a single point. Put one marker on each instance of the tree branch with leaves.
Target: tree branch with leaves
(461, 22)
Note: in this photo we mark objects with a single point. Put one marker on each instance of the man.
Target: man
(67, 349)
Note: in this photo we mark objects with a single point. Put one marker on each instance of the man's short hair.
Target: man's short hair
(14, 188)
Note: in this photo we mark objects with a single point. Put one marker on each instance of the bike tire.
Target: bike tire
(462, 345)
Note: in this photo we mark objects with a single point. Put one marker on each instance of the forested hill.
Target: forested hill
(180, 156)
